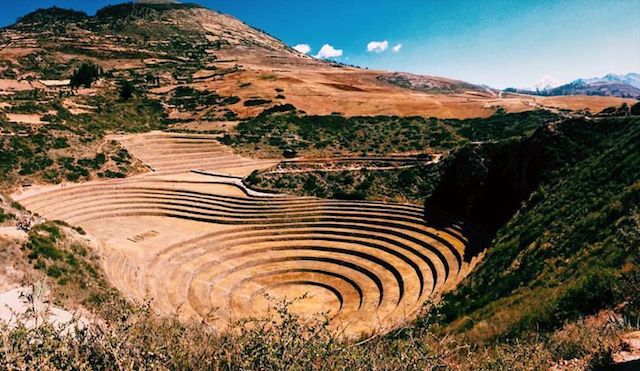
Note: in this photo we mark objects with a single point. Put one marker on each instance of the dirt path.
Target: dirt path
(330, 165)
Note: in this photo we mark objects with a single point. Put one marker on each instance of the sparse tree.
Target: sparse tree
(127, 89)
(85, 76)
(151, 79)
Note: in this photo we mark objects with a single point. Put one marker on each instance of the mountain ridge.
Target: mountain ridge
(618, 85)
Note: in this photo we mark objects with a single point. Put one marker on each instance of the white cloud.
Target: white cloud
(397, 48)
(303, 48)
(327, 51)
(377, 46)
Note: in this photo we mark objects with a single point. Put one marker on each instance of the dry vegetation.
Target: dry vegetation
(141, 340)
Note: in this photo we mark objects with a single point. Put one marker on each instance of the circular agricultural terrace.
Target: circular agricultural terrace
(206, 247)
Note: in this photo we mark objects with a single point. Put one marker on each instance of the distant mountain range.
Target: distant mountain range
(632, 79)
(625, 86)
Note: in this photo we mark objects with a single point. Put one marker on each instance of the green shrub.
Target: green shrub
(95, 163)
(85, 76)
(16, 205)
(4, 216)
(355, 195)
(289, 153)
(42, 242)
(112, 174)
(256, 102)
(54, 272)
(127, 90)
(280, 108)
(60, 143)
(34, 164)
(627, 287)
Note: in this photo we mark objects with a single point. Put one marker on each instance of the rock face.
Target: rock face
(27, 306)
(629, 357)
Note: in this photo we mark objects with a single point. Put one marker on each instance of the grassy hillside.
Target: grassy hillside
(379, 135)
(373, 136)
(563, 202)
(407, 185)
(73, 147)
(571, 249)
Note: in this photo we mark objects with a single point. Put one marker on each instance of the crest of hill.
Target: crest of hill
(157, 1)
(600, 87)
(51, 15)
(142, 9)
(183, 17)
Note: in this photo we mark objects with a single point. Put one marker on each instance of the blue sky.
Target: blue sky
(500, 43)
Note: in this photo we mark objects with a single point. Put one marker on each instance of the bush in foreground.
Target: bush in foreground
(134, 338)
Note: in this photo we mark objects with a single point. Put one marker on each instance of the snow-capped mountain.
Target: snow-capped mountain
(626, 86)
(546, 83)
(631, 78)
